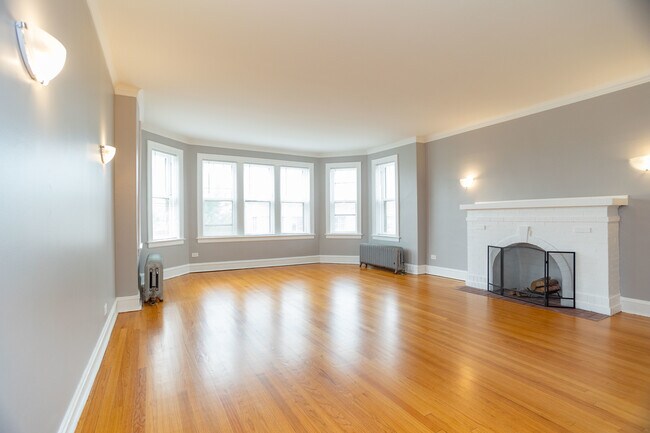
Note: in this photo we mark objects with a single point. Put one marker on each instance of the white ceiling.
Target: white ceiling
(333, 76)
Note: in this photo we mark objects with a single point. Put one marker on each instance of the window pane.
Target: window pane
(344, 184)
(218, 180)
(161, 174)
(345, 224)
(389, 181)
(345, 208)
(160, 211)
(217, 213)
(165, 199)
(258, 182)
(389, 219)
(257, 219)
(293, 218)
(295, 184)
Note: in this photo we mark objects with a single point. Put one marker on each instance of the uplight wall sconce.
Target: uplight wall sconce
(641, 162)
(43, 55)
(107, 153)
(467, 182)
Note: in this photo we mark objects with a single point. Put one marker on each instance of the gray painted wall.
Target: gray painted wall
(583, 149)
(175, 255)
(125, 166)
(344, 247)
(56, 255)
(411, 183)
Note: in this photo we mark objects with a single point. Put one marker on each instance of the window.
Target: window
(295, 195)
(259, 195)
(386, 203)
(219, 198)
(237, 199)
(164, 194)
(343, 198)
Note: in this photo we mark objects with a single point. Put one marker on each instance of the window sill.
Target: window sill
(165, 243)
(207, 240)
(343, 235)
(386, 238)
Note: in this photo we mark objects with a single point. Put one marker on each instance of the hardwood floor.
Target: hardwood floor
(331, 348)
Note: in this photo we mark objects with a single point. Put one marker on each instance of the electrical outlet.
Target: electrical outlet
(195, 254)
(105, 309)
(433, 257)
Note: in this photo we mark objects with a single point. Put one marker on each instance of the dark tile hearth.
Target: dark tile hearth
(583, 314)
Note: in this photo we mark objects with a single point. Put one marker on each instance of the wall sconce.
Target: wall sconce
(641, 162)
(43, 55)
(106, 153)
(467, 182)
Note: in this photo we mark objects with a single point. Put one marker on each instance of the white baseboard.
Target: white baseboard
(176, 271)
(340, 260)
(251, 264)
(415, 269)
(258, 263)
(126, 304)
(455, 274)
(635, 306)
(80, 396)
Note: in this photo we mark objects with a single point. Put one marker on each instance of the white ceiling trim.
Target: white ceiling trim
(148, 127)
(103, 40)
(221, 144)
(126, 90)
(545, 106)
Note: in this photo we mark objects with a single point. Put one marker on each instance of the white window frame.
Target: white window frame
(276, 216)
(377, 233)
(272, 203)
(308, 213)
(201, 157)
(180, 240)
(329, 209)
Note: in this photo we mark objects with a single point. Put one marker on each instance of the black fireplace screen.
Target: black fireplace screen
(531, 274)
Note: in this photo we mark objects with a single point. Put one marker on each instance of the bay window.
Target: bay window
(242, 199)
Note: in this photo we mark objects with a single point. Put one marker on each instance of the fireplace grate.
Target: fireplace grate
(531, 274)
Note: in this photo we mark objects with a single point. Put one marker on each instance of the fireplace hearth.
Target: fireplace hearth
(532, 274)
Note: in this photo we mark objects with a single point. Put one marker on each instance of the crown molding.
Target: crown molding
(190, 141)
(101, 35)
(544, 106)
(123, 89)
(400, 143)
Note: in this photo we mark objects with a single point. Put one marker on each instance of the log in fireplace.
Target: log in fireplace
(531, 274)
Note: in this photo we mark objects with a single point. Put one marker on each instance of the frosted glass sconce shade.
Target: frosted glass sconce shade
(43, 55)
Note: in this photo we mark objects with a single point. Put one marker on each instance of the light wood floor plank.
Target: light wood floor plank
(333, 348)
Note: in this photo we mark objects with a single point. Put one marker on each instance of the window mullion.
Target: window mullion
(239, 194)
(276, 210)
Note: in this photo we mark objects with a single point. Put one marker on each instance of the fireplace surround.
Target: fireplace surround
(588, 226)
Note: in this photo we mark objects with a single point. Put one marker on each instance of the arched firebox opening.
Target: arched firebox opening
(529, 273)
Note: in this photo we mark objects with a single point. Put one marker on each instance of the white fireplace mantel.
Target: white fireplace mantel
(612, 200)
(589, 226)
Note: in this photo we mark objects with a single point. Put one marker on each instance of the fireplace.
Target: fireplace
(588, 226)
(529, 273)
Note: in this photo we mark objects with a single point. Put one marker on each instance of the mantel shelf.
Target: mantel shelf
(614, 200)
